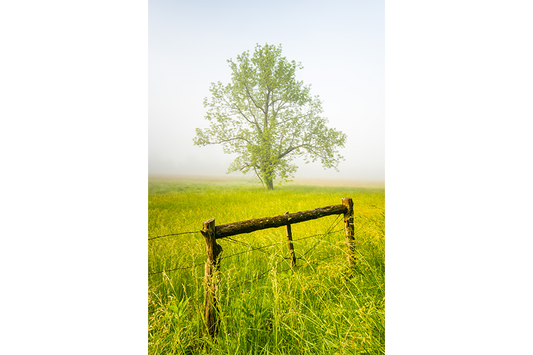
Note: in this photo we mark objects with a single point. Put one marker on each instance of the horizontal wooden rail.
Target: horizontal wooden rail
(251, 225)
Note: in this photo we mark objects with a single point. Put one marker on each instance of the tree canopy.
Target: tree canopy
(268, 118)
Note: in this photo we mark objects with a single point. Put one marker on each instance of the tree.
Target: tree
(268, 118)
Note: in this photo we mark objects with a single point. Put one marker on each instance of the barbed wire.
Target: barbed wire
(179, 268)
(168, 235)
(328, 231)
(254, 249)
(263, 274)
(271, 245)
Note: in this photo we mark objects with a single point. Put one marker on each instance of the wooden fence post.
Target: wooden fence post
(212, 268)
(289, 244)
(349, 229)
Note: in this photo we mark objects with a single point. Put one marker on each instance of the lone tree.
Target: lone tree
(268, 118)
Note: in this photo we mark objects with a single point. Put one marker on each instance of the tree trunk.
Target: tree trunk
(267, 165)
(269, 182)
(267, 171)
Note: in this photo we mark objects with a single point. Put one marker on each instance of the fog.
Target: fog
(339, 43)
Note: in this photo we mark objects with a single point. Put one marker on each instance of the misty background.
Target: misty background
(341, 45)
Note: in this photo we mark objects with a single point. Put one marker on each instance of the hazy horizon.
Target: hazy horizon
(339, 43)
(251, 179)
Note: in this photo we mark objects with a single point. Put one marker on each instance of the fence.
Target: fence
(212, 232)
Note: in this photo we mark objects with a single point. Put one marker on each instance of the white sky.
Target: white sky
(340, 44)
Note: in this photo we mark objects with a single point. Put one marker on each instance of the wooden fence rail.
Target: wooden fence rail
(252, 225)
(212, 233)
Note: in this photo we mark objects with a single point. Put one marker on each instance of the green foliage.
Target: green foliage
(268, 118)
(265, 306)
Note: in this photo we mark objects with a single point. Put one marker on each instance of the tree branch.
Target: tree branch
(243, 115)
(252, 98)
(259, 177)
(290, 149)
(266, 108)
(249, 97)
(231, 139)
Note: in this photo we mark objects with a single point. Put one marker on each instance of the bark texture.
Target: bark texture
(251, 225)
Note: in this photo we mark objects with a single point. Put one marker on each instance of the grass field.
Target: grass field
(321, 307)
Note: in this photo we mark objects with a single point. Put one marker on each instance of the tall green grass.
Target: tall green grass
(321, 307)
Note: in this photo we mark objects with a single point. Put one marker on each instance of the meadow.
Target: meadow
(266, 307)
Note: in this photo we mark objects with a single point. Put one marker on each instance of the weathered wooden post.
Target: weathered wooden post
(212, 276)
(289, 244)
(349, 229)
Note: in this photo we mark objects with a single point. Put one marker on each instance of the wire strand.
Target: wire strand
(179, 268)
(168, 235)
(328, 231)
